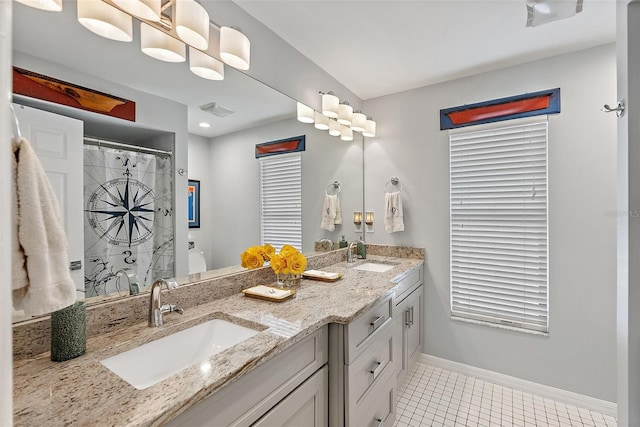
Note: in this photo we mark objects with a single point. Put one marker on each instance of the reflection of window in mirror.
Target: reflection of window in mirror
(281, 201)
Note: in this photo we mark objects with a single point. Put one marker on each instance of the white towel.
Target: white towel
(393, 219)
(329, 211)
(40, 277)
(338, 219)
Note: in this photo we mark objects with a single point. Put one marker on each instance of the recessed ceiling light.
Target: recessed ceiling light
(205, 125)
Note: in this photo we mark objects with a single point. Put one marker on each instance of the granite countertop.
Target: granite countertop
(84, 392)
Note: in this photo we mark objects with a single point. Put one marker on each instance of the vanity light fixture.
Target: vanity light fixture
(369, 128)
(235, 48)
(143, 9)
(192, 23)
(335, 128)
(357, 218)
(159, 45)
(48, 5)
(345, 113)
(165, 26)
(321, 121)
(359, 121)
(105, 20)
(305, 114)
(543, 11)
(330, 105)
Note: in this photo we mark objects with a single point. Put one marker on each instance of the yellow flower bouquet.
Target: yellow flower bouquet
(288, 262)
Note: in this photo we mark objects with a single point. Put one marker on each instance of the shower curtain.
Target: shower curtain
(128, 221)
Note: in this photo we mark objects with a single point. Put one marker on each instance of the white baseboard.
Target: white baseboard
(580, 400)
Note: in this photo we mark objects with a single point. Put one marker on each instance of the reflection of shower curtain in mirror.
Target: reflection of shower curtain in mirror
(128, 218)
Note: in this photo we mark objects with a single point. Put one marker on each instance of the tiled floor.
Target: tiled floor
(436, 397)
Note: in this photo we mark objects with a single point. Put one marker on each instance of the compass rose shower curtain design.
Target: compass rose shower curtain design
(128, 221)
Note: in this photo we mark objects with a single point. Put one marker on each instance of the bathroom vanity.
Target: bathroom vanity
(330, 356)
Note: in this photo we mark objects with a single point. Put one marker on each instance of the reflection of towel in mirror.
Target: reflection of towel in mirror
(330, 212)
(40, 276)
(393, 218)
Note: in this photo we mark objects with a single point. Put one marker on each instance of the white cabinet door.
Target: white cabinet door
(307, 406)
(57, 140)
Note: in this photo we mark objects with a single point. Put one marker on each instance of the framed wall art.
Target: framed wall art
(193, 196)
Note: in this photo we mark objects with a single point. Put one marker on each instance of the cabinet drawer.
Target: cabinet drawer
(364, 328)
(377, 410)
(367, 370)
(406, 282)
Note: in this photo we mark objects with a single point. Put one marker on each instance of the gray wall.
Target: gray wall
(580, 352)
(232, 187)
(200, 169)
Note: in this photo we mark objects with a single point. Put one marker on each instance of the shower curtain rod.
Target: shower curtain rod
(136, 148)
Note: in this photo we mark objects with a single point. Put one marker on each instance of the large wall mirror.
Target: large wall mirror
(221, 157)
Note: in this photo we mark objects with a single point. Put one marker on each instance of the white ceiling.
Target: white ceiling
(373, 47)
(376, 47)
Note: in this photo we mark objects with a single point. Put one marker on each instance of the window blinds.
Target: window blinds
(498, 196)
(281, 201)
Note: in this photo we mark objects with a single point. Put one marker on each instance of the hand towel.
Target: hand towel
(338, 218)
(40, 277)
(393, 218)
(329, 212)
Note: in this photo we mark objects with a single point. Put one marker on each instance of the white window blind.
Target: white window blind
(498, 196)
(281, 201)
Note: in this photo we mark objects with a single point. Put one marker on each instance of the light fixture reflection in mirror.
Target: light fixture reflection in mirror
(357, 218)
(346, 134)
(368, 218)
(305, 114)
(161, 46)
(321, 121)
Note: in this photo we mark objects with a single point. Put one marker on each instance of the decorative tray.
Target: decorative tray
(322, 275)
(269, 293)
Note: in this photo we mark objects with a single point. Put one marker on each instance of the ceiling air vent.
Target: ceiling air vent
(216, 109)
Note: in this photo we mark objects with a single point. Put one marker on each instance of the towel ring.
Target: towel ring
(336, 185)
(393, 181)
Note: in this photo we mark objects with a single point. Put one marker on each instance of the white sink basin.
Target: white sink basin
(374, 266)
(157, 360)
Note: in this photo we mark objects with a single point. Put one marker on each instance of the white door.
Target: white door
(57, 140)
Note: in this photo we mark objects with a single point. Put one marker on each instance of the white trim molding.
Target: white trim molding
(545, 391)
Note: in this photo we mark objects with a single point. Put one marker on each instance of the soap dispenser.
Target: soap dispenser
(342, 243)
(362, 249)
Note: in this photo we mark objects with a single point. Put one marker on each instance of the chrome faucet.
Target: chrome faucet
(349, 252)
(134, 287)
(155, 308)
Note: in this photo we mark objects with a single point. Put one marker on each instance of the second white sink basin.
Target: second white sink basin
(374, 266)
(157, 360)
